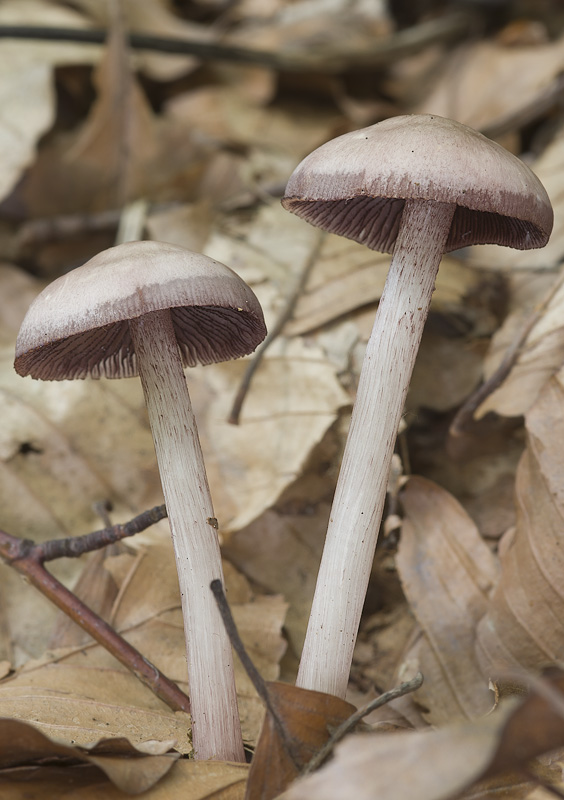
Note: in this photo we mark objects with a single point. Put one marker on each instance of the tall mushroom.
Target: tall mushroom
(416, 186)
(146, 308)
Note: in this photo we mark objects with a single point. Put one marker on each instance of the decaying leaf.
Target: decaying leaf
(540, 355)
(132, 769)
(307, 720)
(524, 624)
(187, 779)
(447, 572)
(448, 760)
(486, 82)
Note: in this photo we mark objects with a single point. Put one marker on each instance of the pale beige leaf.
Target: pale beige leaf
(348, 276)
(294, 399)
(189, 780)
(446, 572)
(541, 353)
(27, 106)
(429, 765)
(131, 769)
(485, 82)
(50, 15)
(524, 624)
(79, 704)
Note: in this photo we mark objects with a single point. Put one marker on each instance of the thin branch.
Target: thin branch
(446, 28)
(349, 724)
(26, 557)
(285, 316)
(76, 546)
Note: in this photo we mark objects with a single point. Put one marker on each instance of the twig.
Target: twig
(349, 724)
(27, 558)
(448, 27)
(465, 415)
(76, 546)
(274, 332)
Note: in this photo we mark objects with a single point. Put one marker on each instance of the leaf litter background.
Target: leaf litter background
(469, 589)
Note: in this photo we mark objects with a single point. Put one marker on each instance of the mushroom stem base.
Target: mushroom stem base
(361, 489)
(216, 730)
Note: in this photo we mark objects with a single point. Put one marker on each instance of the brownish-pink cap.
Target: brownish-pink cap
(78, 326)
(356, 185)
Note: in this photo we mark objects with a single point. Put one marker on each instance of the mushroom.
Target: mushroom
(416, 186)
(147, 309)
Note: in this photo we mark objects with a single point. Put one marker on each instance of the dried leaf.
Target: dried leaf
(440, 764)
(307, 719)
(294, 399)
(486, 82)
(447, 572)
(348, 276)
(540, 356)
(131, 769)
(524, 623)
(190, 780)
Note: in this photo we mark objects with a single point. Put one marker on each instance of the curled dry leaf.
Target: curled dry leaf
(485, 82)
(446, 571)
(441, 764)
(24, 747)
(540, 355)
(295, 398)
(129, 771)
(347, 276)
(306, 721)
(524, 624)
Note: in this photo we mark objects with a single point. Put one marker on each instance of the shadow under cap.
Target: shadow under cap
(356, 185)
(78, 327)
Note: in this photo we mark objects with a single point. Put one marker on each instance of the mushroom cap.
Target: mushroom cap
(356, 185)
(78, 326)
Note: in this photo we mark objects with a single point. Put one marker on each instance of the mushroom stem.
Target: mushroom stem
(216, 729)
(361, 489)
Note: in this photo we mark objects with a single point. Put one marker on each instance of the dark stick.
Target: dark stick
(24, 557)
(256, 678)
(411, 40)
(76, 546)
(274, 332)
(350, 723)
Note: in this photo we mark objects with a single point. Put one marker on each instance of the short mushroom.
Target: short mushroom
(147, 309)
(415, 186)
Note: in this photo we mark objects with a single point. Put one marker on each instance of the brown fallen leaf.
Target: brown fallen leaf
(442, 764)
(541, 352)
(485, 82)
(307, 720)
(132, 769)
(524, 624)
(347, 276)
(190, 780)
(447, 572)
